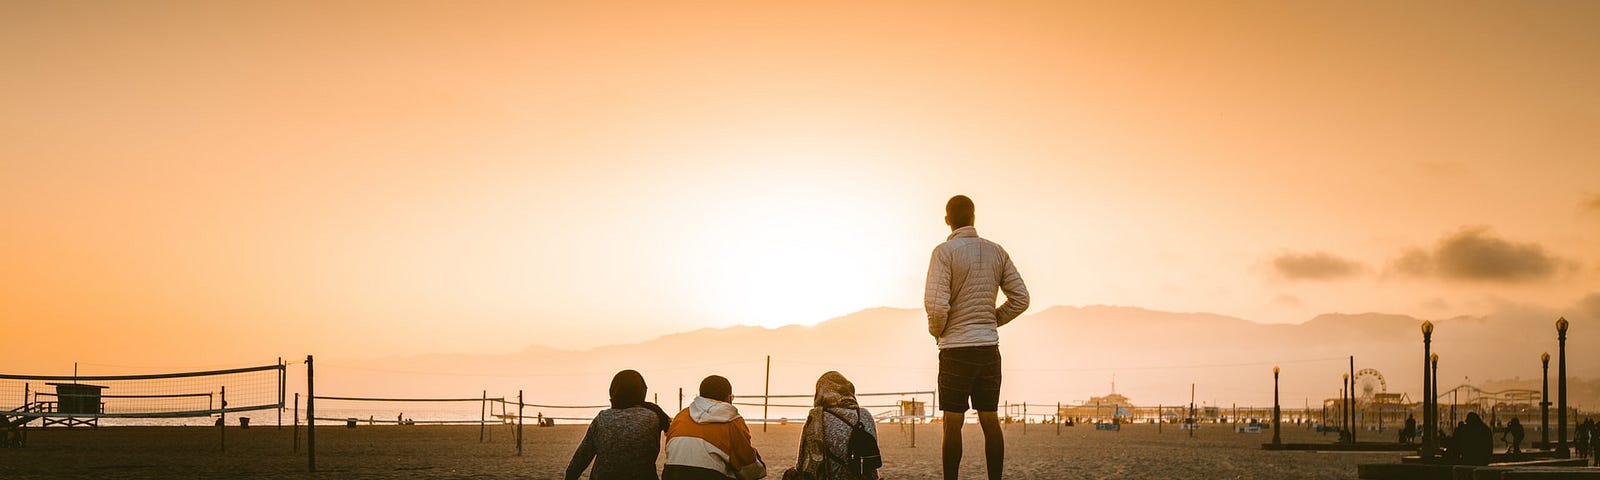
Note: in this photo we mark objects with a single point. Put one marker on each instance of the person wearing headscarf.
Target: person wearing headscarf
(624, 440)
(825, 439)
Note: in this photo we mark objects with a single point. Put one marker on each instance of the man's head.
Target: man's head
(716, 388)
(959, 212)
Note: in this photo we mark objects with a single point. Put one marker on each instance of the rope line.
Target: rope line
(153, 376)
(375, 399)
(528, 375)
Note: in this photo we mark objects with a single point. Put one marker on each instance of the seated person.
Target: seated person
(840, 439)
(623, 441)
(709, 440)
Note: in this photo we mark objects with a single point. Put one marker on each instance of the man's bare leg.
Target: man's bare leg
(952, 444)
(994, 444)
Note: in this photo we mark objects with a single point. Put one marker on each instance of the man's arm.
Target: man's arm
(746, 460)
(936, 295)
(1016, 293)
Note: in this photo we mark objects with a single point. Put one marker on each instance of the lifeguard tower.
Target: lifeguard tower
(74, 398)
(912, 410)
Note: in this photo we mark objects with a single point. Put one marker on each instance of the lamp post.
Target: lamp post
(1544, 401)
(1427, 392)
(1434, 377)
(1561, 387)
(1276, 413)
(1344, 408)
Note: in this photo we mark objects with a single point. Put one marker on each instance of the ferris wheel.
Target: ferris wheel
(1369, 382)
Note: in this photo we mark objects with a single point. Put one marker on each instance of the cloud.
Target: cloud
(1589, 306)
(1476, 254)
(1314, 266)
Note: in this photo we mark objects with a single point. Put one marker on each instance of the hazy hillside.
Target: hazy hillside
(1057, 354)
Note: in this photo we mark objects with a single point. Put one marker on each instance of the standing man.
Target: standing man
(963, 277)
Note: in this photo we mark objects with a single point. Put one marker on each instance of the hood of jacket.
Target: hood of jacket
(705, 410)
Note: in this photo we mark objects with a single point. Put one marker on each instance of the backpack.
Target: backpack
(862, 455)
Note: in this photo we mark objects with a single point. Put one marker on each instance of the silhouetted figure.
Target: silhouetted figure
(960, 295)
(1582, 436)
(1514, 430)
(1473, 442)
(1408, 433)
(840, 439)
(623, 441)
(709, 440)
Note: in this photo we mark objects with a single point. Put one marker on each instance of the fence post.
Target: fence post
(917, 417)
(680, 399)
(1058, 419)
(296, 420)
(311, 417)
(483, 414)
(1024, 418)
(519, 423)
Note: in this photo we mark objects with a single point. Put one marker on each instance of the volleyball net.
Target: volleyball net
(71, 400)
(410, 411)
(904, 406)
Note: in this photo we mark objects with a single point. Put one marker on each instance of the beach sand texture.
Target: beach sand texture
(374, 452)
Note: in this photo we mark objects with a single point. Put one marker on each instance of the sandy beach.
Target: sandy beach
(1137, 452)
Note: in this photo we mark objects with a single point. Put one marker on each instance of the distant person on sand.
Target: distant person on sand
(623, 441)
(1514, 429)
(840, 439)
(709, 440)
(963, 277)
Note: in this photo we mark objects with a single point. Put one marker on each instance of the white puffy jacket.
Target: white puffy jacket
(963, 277)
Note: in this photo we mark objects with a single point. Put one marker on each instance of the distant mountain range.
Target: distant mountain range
(1058, 354)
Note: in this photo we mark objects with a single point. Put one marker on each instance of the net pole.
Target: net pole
(916, 418)
(1058, 419)
(23, 430)
(296, 420)
(519, 423)
(766, 395)
(311, 417)
(222, 420)
(281, 372)
(483, 414)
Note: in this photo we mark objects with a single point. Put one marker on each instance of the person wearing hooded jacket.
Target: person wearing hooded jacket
(709, 440)
(624, 440)
(825, 439)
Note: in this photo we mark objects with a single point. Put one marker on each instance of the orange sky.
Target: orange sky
(195, 183)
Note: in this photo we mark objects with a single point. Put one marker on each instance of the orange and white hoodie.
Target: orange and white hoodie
(710, 435)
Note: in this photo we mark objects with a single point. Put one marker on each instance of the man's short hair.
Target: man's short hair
(960, 211)
(715, 387)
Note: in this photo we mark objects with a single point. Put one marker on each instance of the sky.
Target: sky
(198, 183)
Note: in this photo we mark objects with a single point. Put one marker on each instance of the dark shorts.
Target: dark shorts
(969, 372)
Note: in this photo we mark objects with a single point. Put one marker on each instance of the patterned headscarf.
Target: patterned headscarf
(835, 391)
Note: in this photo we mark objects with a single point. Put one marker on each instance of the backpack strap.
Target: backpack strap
(827, 451)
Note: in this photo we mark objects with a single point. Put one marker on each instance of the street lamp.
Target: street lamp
(1544, 401)
(1344, 416)
(1276, 414)
(1434, 360)
(1561, 387)
(1428, 428)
